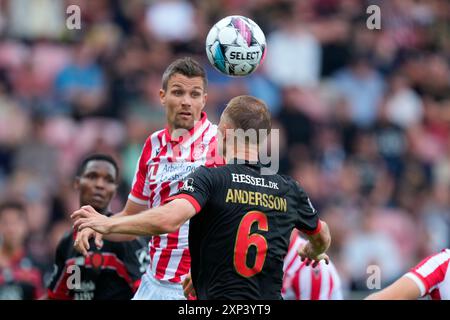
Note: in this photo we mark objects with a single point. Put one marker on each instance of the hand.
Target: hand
(84, 212)
(307, 254)
(188, 287)
(87, 217)
(81, 243)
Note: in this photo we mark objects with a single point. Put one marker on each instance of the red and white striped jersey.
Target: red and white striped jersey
(432, 276)
(162, 166)
(301, 282)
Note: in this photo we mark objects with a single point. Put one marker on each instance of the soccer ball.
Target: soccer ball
(236, 46)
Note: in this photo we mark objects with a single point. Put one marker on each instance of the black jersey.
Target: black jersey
(240, 234)
(21, 280)
(110, 273)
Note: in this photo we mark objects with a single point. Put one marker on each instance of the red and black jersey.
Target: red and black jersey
(110, 273)
(240, 234)
(21, 280)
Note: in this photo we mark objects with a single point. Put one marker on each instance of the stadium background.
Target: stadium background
(364, 114)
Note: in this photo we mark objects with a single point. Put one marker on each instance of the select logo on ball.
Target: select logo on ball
(237, 55)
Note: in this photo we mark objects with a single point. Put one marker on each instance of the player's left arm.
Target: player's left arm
(318, 243)
(314, 229)
(402, 289)
(164, 219)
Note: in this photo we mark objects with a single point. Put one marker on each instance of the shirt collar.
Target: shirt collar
(246, 162)
(190, 133)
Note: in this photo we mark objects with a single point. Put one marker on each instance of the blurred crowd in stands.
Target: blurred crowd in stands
(364, 115)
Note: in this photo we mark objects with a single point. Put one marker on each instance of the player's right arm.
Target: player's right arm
(131, 208)
(402, 289)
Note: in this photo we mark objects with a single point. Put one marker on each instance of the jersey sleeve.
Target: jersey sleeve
(308, 218)
(197, 188)
(57, 284)
(430, 272)
(140, 191)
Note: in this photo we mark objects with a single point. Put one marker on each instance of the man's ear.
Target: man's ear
(162, 96)
(76, 183)
(205, 98)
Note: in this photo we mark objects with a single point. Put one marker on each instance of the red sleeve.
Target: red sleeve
(315, 231)
(139, 191)
(431, 271)
(187, 197)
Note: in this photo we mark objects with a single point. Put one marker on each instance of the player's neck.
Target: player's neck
(249, 153)
(176, 132)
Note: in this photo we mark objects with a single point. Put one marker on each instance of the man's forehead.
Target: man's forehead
(99, 166)
(179, 80)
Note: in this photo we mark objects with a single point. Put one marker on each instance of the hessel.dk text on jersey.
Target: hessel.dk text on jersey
(248, 179)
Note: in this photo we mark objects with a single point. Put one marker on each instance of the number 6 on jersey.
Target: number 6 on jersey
(245, 239)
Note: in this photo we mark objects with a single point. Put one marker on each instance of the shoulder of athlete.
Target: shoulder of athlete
(66, 240)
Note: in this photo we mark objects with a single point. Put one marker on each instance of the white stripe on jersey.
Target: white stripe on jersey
(157, 144)
(324, 284)
(295, 270)
(290, 256)
(137, 200)
(305, 280)
(336, 291)
(137, 168)
(418, 282)
(175, 259)
(157, 255)
(294, 267)
(445, 286)
(431, 265)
